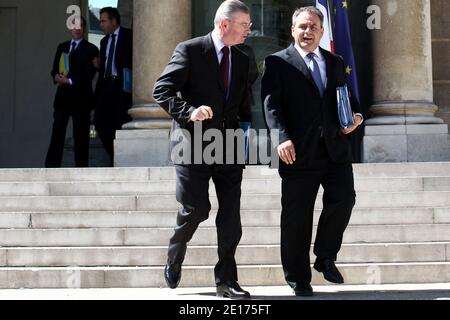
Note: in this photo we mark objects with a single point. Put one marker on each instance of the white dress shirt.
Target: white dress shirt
(77, 42)
(218, 44)
(322, 66)
(114, 69)
(320, 61)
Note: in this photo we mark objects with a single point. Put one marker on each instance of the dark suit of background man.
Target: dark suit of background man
(74, 97)
(299, 94)
(116, 54)
(211, 77)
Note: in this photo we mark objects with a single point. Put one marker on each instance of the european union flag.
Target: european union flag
(343, 44)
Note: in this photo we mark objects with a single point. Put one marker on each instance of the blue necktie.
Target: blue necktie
(315, 71)
(73, 48)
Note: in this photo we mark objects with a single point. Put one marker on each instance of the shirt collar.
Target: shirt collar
(304, 53)
(218, 44)
(76, 41)
(116, 33)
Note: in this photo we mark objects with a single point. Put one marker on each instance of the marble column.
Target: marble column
(125, 8)
(404, 126)
(158, 26)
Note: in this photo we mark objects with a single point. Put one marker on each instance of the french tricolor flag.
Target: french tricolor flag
(327, 42)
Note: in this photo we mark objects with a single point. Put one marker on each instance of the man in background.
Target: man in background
(115, 65)
(74, 96)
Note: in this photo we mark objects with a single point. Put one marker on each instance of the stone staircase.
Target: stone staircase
(109, 228)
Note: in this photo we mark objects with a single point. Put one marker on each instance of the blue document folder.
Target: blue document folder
(345, 112)
(127, 80)
(246, 126)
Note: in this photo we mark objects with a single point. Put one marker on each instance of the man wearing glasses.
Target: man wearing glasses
(206, 83)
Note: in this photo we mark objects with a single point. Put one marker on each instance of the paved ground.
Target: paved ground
(375, 292)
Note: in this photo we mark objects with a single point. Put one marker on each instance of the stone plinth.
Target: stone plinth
(404, 127)
(142, 148)
(406, 143)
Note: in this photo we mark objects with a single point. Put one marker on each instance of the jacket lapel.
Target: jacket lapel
(330, 70)
(118, 55)
(234, 72)
(103, 48)
(210, 55)
(296, 60)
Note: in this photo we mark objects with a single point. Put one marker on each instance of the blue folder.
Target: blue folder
(345, 112)
(246, 126)
(127, 80)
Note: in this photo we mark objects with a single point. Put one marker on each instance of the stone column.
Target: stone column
(125, 8)
(404, 127)
(158, 27)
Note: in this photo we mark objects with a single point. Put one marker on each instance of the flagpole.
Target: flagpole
(327, 40)
(330, 27)
(262, 17)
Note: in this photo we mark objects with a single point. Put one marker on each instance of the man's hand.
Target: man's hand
(202, 113)
(61, 80)
(96, 62)
(357, 121)
(286, 151)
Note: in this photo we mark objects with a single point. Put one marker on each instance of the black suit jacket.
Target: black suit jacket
(292, 104)
(81, 72)
(124, 54)
(194, 73)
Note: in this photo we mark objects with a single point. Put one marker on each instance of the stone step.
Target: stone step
(167, 219)
(270, 186)
(424, 169)
(252, 172)
(82, 174)
(152, 277)
(248, 202)
(207, 255)
(208, 236)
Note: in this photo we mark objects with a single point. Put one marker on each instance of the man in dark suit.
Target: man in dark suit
(205, 84)
(74, 97)
(299, 94)
(116, 58)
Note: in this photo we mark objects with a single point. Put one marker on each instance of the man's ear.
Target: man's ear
(224, 24)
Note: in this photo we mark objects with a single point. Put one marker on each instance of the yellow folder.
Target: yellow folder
(64, 64)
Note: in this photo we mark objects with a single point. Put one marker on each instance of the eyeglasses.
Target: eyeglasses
(244, 25)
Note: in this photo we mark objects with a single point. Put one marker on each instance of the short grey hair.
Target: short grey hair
(227, 10)
(311, 10)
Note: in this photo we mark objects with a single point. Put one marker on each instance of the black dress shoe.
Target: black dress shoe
(232, 290)
(329, 270)
(303, 290)
(172, 274)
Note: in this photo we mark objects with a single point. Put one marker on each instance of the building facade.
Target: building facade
(403, 70)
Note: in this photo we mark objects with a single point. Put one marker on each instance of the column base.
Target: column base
(142, 148)
(404, 113)
(406, 143)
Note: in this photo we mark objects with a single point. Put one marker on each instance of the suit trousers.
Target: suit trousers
(192, 193)
(300, 186)
(111, 113)
(81, 133)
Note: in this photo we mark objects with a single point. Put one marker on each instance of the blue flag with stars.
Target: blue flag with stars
(343, 44)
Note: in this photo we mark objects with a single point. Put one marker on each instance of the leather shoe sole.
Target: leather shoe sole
(224, 291)
(306, 291)
(330, 275)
